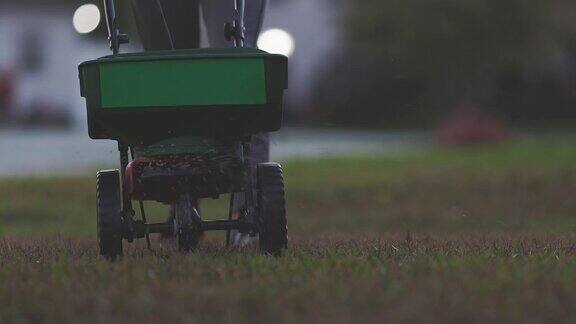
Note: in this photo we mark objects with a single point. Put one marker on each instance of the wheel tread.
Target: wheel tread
(273, 234)
(109, 220)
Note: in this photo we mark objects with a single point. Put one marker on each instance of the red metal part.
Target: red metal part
(163, 189)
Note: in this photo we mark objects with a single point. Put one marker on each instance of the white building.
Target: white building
(40, 47)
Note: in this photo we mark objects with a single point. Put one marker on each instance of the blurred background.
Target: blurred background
(365, 77)
(429, 154)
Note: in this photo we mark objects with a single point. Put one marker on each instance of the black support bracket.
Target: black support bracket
(140, 228)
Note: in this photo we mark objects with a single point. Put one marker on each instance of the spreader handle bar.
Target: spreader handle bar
(115, 38)
(239, 23)
(235, 31)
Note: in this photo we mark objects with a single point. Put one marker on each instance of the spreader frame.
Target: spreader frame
(154, 98)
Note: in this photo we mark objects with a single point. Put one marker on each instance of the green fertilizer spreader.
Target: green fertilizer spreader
(184, 120)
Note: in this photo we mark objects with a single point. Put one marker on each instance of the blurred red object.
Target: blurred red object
(472, 129)
(6, 93)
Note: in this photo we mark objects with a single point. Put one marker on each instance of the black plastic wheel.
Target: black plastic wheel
(186, 224)
(109, 213)
(272, 222)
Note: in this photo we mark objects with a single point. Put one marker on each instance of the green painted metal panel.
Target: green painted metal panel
(175, 83)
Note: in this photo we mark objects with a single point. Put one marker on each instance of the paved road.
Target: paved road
(44, 153)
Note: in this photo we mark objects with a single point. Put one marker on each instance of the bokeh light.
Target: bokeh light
(277, 41)
(86, 18)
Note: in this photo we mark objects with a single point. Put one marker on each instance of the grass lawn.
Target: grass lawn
(445, 235)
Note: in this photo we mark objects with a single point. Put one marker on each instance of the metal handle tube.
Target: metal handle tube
(110, 11)
(238, 24)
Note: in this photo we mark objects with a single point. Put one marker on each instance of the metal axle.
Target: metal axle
(141, 228)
